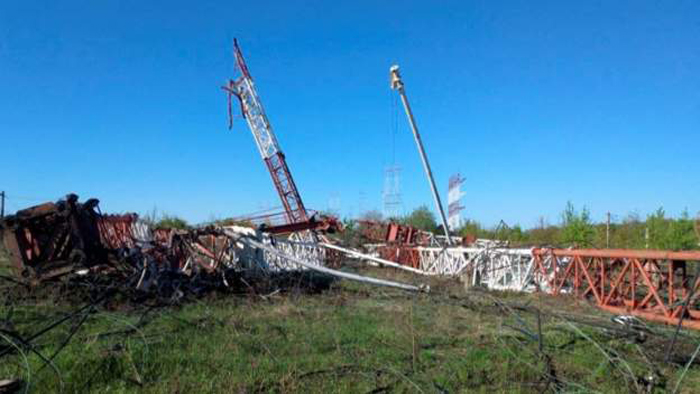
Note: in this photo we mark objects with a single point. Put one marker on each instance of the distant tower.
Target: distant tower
(391, 196)
(454, 204)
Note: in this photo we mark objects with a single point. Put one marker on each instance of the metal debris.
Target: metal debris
(67, 237)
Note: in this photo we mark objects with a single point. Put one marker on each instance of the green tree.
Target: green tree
(471, 227)
(629, 234)
(577, 229)
(172, 221)
(669, 234)
(421, 218)
(517, 235)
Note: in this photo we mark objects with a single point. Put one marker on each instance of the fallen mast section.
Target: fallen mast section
(296, 215)
(662, 286)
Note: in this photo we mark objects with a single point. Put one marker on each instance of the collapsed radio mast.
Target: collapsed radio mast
(254, 113)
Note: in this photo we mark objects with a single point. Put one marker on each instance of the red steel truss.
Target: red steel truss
(651, 284)
(252, 109)
(286, 188)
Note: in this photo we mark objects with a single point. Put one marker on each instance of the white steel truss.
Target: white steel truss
(494, 268)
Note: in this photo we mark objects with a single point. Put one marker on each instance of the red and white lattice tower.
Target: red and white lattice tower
(244, 89)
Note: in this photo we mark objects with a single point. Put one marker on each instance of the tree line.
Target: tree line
(575, 229)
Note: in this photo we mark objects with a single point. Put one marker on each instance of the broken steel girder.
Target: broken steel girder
(52, 238)
(653, 284)
(394, 233)
(123, 231)
(326, 224)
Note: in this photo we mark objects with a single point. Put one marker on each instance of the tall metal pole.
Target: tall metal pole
(2, 204)
(397, 84)
(607, 232)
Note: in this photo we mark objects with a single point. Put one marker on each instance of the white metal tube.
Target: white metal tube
(397, 84)
(359, 278)
(372, 258)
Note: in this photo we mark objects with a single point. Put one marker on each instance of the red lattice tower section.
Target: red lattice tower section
(254, 113)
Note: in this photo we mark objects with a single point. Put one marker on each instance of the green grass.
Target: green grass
(350, 338)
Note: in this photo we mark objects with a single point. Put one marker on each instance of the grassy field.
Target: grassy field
(347, 338)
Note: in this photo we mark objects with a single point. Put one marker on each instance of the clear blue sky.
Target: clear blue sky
(535, 103)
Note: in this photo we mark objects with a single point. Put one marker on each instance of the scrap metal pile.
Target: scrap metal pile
(67, 237)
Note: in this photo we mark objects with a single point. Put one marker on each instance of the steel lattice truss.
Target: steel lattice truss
(656, 285)
(268, 146)
(497, 268)
(652, 284)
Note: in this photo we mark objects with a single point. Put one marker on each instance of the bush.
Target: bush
(421, 218)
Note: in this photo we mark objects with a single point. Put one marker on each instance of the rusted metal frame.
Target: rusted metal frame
(324, 223)
(636, 269)
(602, 279)
(280, 190)
(696, 294)
(539, 270)
(629, 253)
(224, 248)
(662, 281)
(615, 288)
(658, 277)
(633, 285)
(415, 259)
(650, 295)
(25, 245)
(567, 272)
(57, 240)
(591, 284)
(671, 289)
(575, 276)
(292, 227)
(651, 287)
(10, 242)
(207, 253)
(542, 270)
(220, 255)
(554, 266)
(286, 188)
